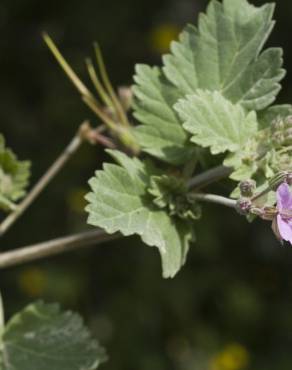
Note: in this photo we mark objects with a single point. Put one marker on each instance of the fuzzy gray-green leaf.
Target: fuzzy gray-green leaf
(216, 123)
(160, 132)
(223, 54)
(119, 201)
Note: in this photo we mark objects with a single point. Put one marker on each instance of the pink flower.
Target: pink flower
(282, 223)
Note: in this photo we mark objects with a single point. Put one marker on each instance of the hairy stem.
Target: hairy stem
(210, 176)
(43, 182)
(54, 247)
(212, 198)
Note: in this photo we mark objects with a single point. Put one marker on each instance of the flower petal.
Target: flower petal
(285, 229)
(276, 229)
(284, 197)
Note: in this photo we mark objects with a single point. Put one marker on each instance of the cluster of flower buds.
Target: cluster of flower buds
(282, 160)
(282, 131)
(249, 200)
(247, 189)
(244, 206)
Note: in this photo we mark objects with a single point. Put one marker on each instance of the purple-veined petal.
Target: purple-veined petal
(284, 197)
(285, 229)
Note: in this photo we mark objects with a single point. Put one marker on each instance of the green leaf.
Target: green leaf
(216, 123)
(41, 337)
(243, 171)
(163, 188)
(14, 176)
(223, 54)
(119, 201)
(259, 84)
(160, 133)
(171, 192)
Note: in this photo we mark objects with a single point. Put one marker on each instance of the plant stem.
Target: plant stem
(105, 78)
(54, 247)
(261, 194)
(42, 183)
(97, 84)
(86, 95)
(91, 103)
(66, 67)
(212, 175)
(212, 198)
(2, 317)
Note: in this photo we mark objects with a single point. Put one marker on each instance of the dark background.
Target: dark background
(230, 307)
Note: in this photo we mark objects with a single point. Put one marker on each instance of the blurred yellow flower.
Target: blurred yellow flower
(232, 357)
(32, 282)
(162, 35)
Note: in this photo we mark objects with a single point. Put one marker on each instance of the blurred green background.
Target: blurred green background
(230, 308)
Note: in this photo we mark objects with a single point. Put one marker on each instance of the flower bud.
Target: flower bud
(247, 188)
(243, 206)
(278, 138)
(277, 125)
(126, 97)
(288, 137)
(110, 112)
(283, 162)
(288, 122)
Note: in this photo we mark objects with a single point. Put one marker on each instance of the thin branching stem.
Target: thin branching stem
(41, 184)
(86, 95)
(97, 84)
(66, 67)
(50, 174)
(210, 176)
(105, 78)
(54, 247)
(217, 199)
(92, 104)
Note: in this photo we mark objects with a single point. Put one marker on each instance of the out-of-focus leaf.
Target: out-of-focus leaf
(41, 337)
(14, 176)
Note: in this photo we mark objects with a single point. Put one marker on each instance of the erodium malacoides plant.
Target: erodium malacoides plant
(212, 100)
